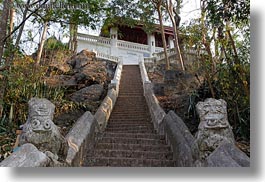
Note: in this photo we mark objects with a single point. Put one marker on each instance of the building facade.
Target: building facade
(128, 44)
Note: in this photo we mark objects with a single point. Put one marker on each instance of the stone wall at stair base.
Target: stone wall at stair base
(227, 155)
(27, 156)
(81, 139)
(103, 113)
(184, 146)
(156, 112)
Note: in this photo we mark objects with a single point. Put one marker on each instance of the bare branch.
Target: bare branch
(23, 21)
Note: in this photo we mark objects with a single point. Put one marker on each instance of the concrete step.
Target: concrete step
(134, 135)
(130, 115)
(131, 130)
(129, 126)
(129, 111)
(124, 122)
(99, 153)
(128, 119)
(129, 138)
(129, 162)
(138, 147)
(141, 141)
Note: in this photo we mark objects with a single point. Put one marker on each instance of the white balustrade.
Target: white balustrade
(150, 60)
(142, 48)
(107, 57)
(94, 39)
(133, 46)
(159, 49)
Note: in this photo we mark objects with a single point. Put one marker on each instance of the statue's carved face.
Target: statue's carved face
(38, 130)
(41, 124)
(41, 109)
(213, 113)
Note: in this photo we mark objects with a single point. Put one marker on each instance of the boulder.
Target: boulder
(81, 59)
(26, 156)
(228, 155)
(82, 70)
(61, 80)
(88, 94)
(179, 82)
(171, 76)
(61, 68)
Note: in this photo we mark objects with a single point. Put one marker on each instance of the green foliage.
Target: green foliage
(192, 35)
(230, 88)
(82, 12)
(53, 44)
(224, 27)
(26, 80)
(7, 138)
(130, 13)
(227, 10)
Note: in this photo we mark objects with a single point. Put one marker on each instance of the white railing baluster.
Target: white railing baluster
(133, 46)
(94, 39)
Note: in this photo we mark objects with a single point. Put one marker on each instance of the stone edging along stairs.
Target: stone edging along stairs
(129, 139)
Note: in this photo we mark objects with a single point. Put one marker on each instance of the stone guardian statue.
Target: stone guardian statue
(214, 127)
(40, 130)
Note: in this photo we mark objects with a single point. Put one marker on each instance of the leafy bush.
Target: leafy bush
(26, 80)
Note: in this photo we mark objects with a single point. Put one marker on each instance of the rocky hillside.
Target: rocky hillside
(85, 80)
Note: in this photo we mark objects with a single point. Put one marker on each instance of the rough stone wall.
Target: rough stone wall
(27, 156)
(81, 139)
(184, 146)
(228, 155)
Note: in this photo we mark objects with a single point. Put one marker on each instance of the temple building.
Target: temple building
(129, 44)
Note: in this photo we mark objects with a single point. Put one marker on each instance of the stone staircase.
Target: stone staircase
(129, 139)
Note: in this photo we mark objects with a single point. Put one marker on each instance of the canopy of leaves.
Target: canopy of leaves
(237, 11)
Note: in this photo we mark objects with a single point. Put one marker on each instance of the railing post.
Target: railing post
(113, 41)
(171, 42)
(151, 44)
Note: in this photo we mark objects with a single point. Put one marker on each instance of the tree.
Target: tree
(3, 26)
(223, 32)
(86, 13)
(43, 38)
(175, 19)
(158, 6)
(3, 32)
(220, 15)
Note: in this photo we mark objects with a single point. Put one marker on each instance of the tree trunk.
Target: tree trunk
(22, 26)
(3, 27)
(241, 72)
(73, 37)
(175, 28)
(43, 38)
(11, 19)
(163, 36)
(3, 32)
(207, 47)
(70, 37)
